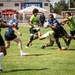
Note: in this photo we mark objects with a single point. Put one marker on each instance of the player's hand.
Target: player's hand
(17, 28)
(20, 33)
(49, 25)
(35, 26)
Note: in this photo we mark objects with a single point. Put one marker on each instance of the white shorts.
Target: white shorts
(49, 35)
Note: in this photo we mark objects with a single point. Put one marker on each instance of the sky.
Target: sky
(53, 1)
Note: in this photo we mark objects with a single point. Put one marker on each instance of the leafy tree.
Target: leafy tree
(60, 6)
(51, 8)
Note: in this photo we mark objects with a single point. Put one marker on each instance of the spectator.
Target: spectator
(42, 19)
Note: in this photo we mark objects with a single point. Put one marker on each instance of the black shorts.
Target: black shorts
(60, 32)
(1, 41)
(72, 33)
(9, 36)
(33, 31)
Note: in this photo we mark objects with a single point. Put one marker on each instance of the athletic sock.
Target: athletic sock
(1, 54)
(21, 51)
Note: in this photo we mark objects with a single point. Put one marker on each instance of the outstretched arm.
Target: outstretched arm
(14, 28)
(64, 21)
(5, 25)
(53, 26)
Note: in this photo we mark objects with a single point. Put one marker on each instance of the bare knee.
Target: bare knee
(19, 41)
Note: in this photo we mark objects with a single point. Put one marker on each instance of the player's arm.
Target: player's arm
(30, 23)
(14, 28)
(63, 22)
(53, 26)
(3, 25)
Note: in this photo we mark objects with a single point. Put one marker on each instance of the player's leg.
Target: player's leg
(2, 50)
(56, 36)
(72, 33)
(8, 38)
(43, 36)
(48, 45)
(38, 32)
(20, 46)
(70, 37)
(2, 54)
(58, 43)
(7, 44)
(65, 35)
(30, 40)
(31, 37)
(2, 46)
(66, 42)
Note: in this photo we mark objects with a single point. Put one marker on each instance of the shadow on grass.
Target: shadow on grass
(71, 49)
(25, 70)
(39, 54)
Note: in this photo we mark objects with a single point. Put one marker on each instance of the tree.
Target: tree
(51, 8)
(60, 6)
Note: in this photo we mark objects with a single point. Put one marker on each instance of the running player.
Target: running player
(50, 35)
(70, 22)
(58, 29)
(2, 44)
(10, 35)
(34, 29)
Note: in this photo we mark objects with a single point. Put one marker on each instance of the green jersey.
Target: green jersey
(34, 19)
(71, 23)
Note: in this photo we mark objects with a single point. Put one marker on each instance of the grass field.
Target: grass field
(47, 61)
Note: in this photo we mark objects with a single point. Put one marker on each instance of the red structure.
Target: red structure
(8, 12)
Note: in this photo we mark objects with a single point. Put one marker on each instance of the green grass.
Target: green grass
(49, 61)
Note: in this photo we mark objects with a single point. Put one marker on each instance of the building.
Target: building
(8, 7)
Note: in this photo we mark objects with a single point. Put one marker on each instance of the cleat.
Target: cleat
(59, 49)
(1, 70)
(65, 48)
(26, 46)
(24, 54)
(42, 47)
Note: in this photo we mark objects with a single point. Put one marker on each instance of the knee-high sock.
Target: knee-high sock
(1, 55)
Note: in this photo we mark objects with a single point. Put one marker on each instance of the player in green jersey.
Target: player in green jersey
(70, 22)
(34, 29)
(50, 35)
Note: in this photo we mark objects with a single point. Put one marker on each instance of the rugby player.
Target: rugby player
(34, 29)
(10, 34)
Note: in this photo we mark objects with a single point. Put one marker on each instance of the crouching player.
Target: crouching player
(50, 35)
